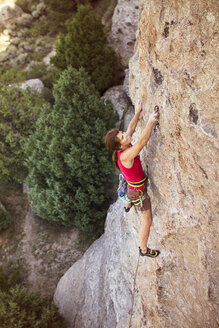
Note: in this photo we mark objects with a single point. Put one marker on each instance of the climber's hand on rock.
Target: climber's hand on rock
(140, 106)
(153, 118)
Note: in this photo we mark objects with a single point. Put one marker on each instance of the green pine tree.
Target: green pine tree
(19, 110)
(85, 45)
(68, 164)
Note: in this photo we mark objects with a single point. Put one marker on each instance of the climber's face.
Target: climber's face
(124, 139)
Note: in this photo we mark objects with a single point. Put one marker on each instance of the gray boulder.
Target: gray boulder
(34, 84)
(121, 104)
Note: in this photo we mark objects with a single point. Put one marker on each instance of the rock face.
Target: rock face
(124, 27)
(101, 284)
(173, 66)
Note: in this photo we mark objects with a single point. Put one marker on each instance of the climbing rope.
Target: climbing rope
(134, 290)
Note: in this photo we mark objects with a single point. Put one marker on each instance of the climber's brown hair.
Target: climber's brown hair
(113, 144)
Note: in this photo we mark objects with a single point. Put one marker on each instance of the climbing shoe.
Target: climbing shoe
(149, 253)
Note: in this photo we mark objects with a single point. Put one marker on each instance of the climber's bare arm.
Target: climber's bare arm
(129, 154)
(134, 121)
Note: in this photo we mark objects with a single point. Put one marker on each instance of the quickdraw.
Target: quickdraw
(156, 126)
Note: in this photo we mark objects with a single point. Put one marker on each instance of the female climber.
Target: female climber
(126, 159)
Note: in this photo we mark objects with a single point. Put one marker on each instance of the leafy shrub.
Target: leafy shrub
(11, 279)
(85, 45)
(40, 27)
(26, 5)
(22, 309)
(61, 6)
(58, 12)
(10, 75)
(48, 95)
(68, 164)
(3, 281)
(19, 110)
(43, 72)
(64, 6)
(5, 219)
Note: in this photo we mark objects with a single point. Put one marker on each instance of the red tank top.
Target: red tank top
(135, 173)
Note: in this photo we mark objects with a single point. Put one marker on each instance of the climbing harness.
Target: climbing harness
(140, 199)
(156, 110)
(134, 290)
(141, 196)
(122, 190)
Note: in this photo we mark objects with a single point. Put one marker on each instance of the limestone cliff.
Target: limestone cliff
(174, 66)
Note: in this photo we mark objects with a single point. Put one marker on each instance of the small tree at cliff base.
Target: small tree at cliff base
(85, 45)
(68, 164)
(19, 110)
